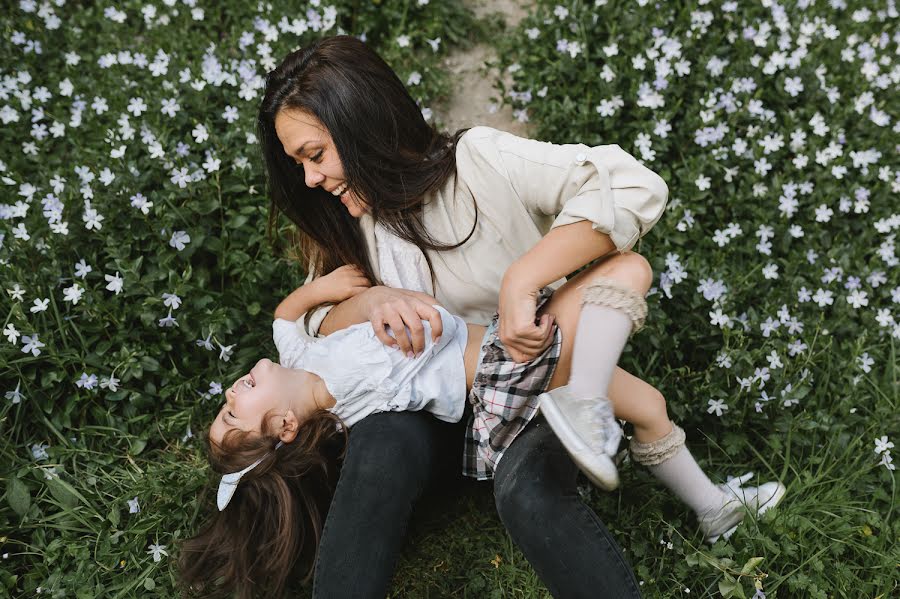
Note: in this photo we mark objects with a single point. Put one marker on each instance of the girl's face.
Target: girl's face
(306, 140)
(267, 389)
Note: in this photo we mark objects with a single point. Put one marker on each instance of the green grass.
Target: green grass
(65, 523)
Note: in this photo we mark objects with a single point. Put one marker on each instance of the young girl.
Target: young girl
(277, 438)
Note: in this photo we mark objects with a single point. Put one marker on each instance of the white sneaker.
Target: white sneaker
(589, 432)
(723, 522)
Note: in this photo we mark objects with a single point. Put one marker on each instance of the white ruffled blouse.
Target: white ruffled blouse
(365, 376)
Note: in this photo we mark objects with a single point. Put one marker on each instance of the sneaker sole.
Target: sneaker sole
(599, 468)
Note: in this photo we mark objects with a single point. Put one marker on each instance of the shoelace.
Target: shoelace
(604, 430)
(735, 486)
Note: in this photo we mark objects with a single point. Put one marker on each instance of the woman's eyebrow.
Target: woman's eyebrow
(299, 150)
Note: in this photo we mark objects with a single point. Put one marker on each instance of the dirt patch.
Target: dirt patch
(472, 103)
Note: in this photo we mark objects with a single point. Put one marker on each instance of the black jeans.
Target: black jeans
(390, 460)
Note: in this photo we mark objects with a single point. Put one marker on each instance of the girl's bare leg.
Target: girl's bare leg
(633, 400)
(657, 444)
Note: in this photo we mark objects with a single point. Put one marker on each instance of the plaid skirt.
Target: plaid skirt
(504, 397)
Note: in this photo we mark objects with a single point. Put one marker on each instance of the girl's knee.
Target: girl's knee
(636, 269)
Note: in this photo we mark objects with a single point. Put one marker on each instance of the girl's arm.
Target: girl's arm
(340, 284)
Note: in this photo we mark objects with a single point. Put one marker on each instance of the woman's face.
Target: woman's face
(306, 140)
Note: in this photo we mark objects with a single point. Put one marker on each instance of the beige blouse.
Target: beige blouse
(523, 188)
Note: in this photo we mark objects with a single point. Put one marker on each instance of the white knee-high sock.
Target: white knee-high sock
(608, 314)
(669, 460)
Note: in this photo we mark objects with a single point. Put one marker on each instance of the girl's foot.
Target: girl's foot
(588, 430)
(722, 522)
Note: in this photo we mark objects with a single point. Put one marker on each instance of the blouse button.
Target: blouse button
(580, 158)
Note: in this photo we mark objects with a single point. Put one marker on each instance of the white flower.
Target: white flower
(157, 551)
(858, 298)
(39, 305)
(774, 360)
(15, 395)
(86, 381)
(82, 269)
(133, 506)
(31, 345)
(18, 293)
(171, 300)
(205, 343)
(887, 461)
(39, 451)
(702, 183)
(111, 383)
(73, 294)
(225, 351)
(212, 164)
(230, 115)
(215, 388)
(723, 360)
(793, 86)
(823, 213)
(115, 283)
(403, 41)
(415, 78)
(718, 406)
(823, 298)
(200, 134)
(12, 335)
(881, 445)
(719, 318)
(770, 271)
(136, 106)
(168, 321)
(170, 107)
(865, 362)
(179, 240)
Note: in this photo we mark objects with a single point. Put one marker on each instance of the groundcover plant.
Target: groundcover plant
(136, 276)
(137, 279)
(774, 318)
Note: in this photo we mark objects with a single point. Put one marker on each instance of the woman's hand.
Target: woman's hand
(524, 336)
(403, 311)
(341, 284)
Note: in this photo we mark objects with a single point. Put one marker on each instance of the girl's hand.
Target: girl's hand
(404, 312)
(341, 284)
(524, 336)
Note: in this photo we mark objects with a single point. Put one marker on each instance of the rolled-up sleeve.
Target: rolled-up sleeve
(605, 185)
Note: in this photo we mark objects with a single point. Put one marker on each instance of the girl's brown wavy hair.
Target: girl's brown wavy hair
(270, 530)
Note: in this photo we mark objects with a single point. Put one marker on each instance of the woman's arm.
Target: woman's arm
(560, 252)
(384, 306)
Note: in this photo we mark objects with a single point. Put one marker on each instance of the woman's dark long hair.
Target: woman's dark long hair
(269, 532)
(392, 158)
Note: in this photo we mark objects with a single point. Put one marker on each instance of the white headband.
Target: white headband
(228, 484)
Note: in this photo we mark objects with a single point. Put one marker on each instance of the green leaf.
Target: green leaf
(149, 584)
(18, 497)
(726, 586)
(751, 564)
(64, 493)
(114, 516)
(137, 446)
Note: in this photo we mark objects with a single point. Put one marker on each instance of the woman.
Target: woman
(480, 219)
